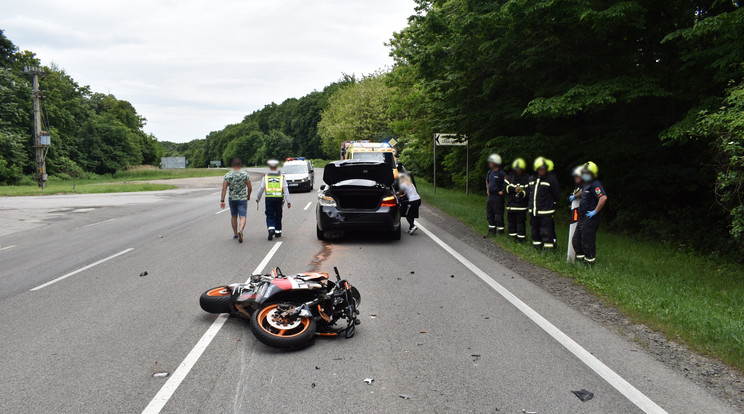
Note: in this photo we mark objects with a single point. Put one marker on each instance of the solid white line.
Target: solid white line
(95, 224)
(82, 269)
(307, 206)
(620, 384)
(8, 247)
(219, 192)
(170, 387)
(222, 211)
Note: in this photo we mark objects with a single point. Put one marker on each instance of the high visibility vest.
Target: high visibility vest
(274, 185)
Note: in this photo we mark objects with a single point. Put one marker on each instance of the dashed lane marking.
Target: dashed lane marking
(307, 206)
(82, 269)
(222, 211)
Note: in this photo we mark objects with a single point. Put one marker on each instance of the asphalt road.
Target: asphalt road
(453, 330)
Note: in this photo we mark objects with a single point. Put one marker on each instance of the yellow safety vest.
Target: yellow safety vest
(274, 185)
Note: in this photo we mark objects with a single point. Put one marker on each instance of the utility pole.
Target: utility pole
(42, 140)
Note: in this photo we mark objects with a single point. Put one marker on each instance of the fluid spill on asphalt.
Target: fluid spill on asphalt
(321, 257)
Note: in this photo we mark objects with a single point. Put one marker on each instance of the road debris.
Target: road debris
(369, 381)
(312, 385)
(160, 237)
(143, 273)
(160, 375)
(452, 275)
(373, 316)
(317, 367)
(412, 272)
(583, 395)
(475, 357)
(423, 331)
(528, 412)
(404, 396)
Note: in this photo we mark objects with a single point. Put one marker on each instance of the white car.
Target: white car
(299, 174)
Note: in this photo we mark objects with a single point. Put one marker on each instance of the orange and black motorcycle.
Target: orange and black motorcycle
(287, 311)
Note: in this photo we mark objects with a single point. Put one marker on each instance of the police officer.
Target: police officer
(277, 193)
(495, 187)
(593, 199)
(516, 200)
(543, 194)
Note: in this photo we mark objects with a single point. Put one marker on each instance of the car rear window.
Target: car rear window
(386, 157)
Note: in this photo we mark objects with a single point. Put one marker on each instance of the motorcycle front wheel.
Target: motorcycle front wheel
(270, 328)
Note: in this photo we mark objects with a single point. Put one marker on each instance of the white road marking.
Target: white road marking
(95, 224)
(222, 211)
(170, 387)
(84, 268)
(307, 206)
(219, 192)
(8, 247)
(620, 384)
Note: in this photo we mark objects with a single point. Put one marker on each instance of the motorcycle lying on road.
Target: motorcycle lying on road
(287, 311)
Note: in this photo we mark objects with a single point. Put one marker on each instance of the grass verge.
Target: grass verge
(84, 187)
(694, 299)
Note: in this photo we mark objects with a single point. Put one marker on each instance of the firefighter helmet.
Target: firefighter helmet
(592, 168)
(541, 162)
(494, 159)
(519, 164)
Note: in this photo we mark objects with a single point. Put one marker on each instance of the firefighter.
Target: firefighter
(516, 200)
(593, 200)
(495, 187)
(543, 194)
(277, 192)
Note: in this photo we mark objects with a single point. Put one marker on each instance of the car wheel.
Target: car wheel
(320, 234)
(396, 234)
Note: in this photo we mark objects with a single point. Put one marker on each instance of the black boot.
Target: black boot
(271, 234)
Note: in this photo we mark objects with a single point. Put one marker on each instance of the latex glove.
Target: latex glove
(591, 213)
(571, 198)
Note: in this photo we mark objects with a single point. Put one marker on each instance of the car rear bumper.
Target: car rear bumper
(383, 219)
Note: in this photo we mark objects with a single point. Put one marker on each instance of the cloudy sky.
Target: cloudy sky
(193, 66)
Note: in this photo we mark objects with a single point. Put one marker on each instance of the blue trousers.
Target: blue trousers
(274, 214)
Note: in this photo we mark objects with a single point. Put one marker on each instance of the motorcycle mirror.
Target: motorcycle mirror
(338, 275)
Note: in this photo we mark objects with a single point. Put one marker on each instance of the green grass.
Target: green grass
(158, 174)
(81, 187)
(692, 298)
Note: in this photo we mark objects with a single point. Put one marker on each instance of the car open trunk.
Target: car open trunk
(358, 194)
(338, 171)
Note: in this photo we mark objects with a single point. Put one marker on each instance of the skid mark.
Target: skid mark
(320, 257)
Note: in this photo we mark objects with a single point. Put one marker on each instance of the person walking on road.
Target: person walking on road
(495, 187)
(277, 192)
(543, 194)
(593, 200)
(412, 201)
(516, 200)
(239, 184)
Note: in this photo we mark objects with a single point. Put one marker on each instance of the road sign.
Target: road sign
(451, 140)
(392, 142)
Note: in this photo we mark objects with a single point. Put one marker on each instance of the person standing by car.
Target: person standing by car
(593, 199)
(516, 200)
(239, 183)
(277, 192)
(412, 203)
(543, 194)
(495, 186)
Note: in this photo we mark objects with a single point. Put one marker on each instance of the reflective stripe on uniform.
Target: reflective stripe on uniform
(549, 245)
(586, 259)
(512, 234)
(545, 212)
(516, 208)
(536, 243)
(521, 236)
(545, 183)
(580, 256)
(491, 227)
(274, 185)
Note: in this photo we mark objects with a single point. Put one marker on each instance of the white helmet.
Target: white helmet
(273, 163)
(495, 159)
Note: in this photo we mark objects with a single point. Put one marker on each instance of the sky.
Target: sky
(194, 66)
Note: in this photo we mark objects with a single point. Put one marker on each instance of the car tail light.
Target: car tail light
(389, 201)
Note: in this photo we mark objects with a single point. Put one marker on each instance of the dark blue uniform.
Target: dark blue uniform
(585, 237)
(495, 205)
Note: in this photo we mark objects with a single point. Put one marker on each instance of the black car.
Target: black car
(358, 195)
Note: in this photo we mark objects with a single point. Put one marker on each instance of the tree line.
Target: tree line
(92, 133)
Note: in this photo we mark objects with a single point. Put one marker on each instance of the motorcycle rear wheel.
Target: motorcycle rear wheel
(217, 300)
(295, 337)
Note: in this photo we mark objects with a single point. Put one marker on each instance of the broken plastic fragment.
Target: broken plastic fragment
(404, 396)
(583, 395)
(160, 375)
(528, 412)
(373, 316)
(369, 380)
(143, 273)
(423, 331)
